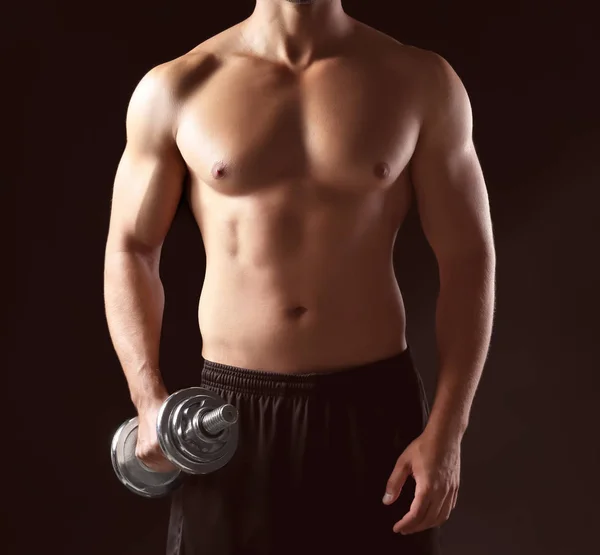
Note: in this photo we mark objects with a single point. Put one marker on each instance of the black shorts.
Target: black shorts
(314, 455)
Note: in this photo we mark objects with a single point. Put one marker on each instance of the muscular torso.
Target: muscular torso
(298, 181)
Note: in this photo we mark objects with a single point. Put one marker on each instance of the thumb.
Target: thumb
(397, 479)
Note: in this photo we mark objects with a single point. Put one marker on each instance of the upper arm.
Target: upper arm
(449, 186)
(149, 178)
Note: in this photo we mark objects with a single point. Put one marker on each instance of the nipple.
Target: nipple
(218, 170)
(382, 170)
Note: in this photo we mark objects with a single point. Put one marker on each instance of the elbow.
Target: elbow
(123, 257)
(130, 248)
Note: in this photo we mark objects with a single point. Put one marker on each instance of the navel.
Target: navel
(296, 311)
(218, 170)
(382, 170)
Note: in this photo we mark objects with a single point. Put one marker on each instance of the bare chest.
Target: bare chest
(253, 125)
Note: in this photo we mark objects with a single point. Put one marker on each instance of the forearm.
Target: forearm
(464, 317)
(134, 304)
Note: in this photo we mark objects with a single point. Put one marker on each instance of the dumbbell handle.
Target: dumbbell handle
(210, 423)
(215, 421)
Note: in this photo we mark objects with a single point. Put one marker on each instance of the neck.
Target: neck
(295, 32)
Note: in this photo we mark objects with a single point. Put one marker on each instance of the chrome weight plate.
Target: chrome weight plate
(194, 453)
(136, 476)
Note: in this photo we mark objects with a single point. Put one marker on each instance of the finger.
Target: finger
(436, 499)
(164, 466)
(396, 481)
(455, 499)
(445, 510)
(418, 509)
(160, 460)
(152, 457)
(436, 518)
(157, 463)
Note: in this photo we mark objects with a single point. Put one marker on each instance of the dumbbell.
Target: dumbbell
(197, 432)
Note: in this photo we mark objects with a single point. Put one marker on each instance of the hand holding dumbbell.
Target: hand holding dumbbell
(148, 449)
(197, 433)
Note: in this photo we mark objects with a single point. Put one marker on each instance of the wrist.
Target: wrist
(446, 426)
(149, 395)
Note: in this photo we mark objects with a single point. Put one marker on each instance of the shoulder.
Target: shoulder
(439, 85)
(157, 98)
(159, 95)
(432, 75)
(429, 83)
(173, 80)
(429, 72)
(169, 81)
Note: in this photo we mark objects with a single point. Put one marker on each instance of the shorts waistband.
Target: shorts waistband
(357, 377)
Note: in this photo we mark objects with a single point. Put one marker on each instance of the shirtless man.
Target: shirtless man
(299, 137)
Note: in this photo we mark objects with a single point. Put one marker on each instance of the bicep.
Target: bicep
(448, 181)
(149, 178)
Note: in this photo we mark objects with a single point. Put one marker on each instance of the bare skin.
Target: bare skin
(298, 187)
(296, 137)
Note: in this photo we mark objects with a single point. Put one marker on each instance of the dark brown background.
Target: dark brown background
(530, 456)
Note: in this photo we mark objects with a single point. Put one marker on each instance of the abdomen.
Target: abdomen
(299, 291)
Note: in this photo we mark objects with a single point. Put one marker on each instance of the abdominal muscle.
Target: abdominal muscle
(322, 307)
